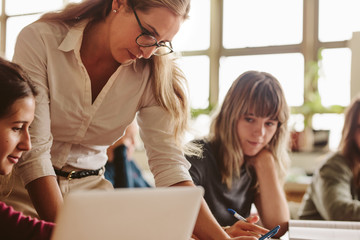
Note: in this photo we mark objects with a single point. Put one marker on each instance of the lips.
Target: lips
(132, 56)
(13, 159)
(254, 143)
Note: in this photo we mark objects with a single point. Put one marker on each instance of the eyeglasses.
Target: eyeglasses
(146, 39)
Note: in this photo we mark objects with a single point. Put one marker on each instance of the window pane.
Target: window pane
(296, 122)
(194, 33)
(14, 26)
(14, 7)
(338, 19)
(252, 23)
(287, 68)
(332, 122)
(334, 81)
(196, 70)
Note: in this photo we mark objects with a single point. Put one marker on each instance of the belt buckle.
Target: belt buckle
(101, 170)
(69, 177)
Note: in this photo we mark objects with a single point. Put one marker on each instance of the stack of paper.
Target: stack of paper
(323, 230)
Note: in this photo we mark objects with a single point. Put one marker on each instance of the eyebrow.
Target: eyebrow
(253, 115)
(154, 30)
(20, 121)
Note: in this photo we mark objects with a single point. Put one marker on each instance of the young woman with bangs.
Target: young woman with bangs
(245, 156)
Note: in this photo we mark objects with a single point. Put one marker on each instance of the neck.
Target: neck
(95, 48)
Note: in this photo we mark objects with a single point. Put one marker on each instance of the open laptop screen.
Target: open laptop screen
(129, 214)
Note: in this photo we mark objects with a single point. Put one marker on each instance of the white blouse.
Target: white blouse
(69, 129)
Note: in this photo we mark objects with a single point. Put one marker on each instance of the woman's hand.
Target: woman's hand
(262, 160)
(241, 228)
(240, 238)
(244, 238)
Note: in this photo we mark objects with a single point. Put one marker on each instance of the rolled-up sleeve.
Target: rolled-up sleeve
(30, 55)
(166, 159)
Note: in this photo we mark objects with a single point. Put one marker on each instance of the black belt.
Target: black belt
(78, 174)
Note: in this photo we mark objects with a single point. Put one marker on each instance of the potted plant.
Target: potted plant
(305, 141)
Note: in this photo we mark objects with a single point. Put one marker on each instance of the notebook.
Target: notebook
(323, 230)
(129, 214)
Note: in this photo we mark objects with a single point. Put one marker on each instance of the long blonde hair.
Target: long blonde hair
(348, 146)
(261, 93)
(168, 82)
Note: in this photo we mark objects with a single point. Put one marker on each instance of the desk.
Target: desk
(295, 191)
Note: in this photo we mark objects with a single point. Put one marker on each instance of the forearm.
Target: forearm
(46, 197)
(206, 226)
(271, 201)
(273, 210)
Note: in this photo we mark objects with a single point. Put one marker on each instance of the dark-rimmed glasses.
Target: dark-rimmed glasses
(146, 39)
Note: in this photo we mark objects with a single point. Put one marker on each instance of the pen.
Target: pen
(238, 216)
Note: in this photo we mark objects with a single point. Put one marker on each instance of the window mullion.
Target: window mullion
(310, 44)
(216, 46)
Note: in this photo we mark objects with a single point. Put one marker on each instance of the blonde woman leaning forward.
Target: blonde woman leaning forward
(245, 155)
(98, 64)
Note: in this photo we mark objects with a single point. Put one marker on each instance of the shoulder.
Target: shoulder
(336, 164)
(207, 153)
(41, 27)
(336, 160)
(43, 33)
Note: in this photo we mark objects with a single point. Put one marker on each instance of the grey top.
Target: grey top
(205, 172)
(332, 194)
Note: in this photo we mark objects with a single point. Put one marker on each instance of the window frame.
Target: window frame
(309, 47)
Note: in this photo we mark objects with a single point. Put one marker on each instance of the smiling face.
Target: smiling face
(124, 29)
(255, 133)
(14, 133)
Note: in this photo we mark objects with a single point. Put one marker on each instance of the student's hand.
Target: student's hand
(244, 238)
(241, 228)
(193, 237)
(262, 160)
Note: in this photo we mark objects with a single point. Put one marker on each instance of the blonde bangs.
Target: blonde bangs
(256, 93)
(264, 99)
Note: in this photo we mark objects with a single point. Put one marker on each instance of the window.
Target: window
(222, 39)
(288, 68)
(195, 31)
(246, 24)
(285, 38)
(334, 81)
(338, 19)
(13, 18)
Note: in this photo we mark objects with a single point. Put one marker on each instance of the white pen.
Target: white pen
(238, 216)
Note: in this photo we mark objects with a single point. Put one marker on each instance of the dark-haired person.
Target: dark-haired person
(17, 107)
(334, 192)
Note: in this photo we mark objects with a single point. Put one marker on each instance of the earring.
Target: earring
(115, 11)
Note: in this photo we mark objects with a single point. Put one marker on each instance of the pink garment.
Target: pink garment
(15, 225)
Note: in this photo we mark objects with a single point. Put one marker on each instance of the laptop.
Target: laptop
(129, 214)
